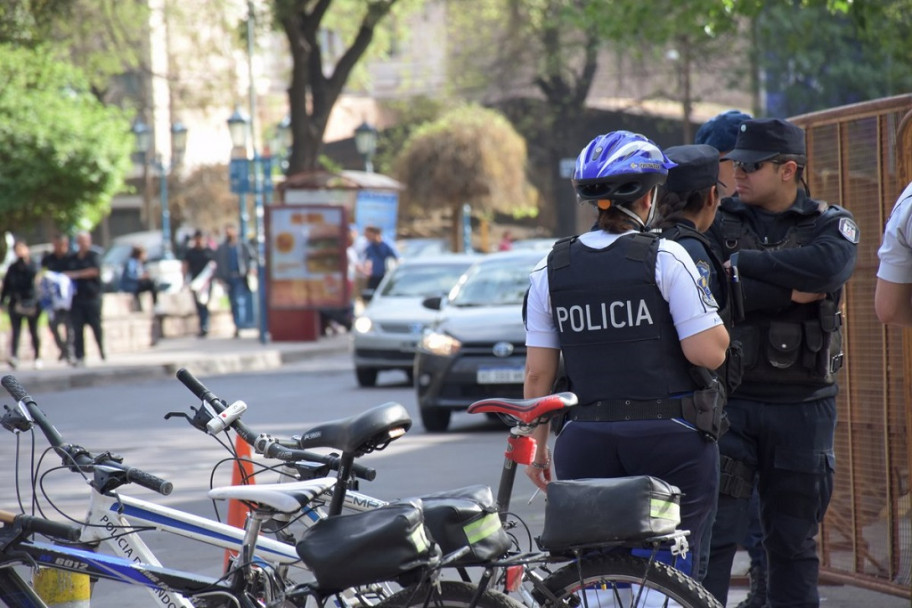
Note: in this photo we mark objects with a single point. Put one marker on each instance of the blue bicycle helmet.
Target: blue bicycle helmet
(619, 167)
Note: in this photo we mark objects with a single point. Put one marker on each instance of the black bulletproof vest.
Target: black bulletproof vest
(615, 328)
(679, 232)
(798, 345)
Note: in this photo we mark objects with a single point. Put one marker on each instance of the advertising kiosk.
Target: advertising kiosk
(307, 235)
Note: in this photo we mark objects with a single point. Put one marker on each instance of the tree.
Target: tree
(318, 77)
(813, 59)
(470, 155)
(63, 154)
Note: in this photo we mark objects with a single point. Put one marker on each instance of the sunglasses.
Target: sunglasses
(753, 167)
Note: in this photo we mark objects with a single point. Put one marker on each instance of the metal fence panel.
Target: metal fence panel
(857, 159)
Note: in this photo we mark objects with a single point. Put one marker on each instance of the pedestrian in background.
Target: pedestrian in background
(20, 297)
(59, 288)
(637, 393)
(199, 268)
(377, 254)
(85, 270)
(789, 258)
(506, 241)
(893, 293)
(135, 278)
(234, 264)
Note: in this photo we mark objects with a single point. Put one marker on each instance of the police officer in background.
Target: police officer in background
(893, 292)
(720, 132)
(634, 323)
(789, 258)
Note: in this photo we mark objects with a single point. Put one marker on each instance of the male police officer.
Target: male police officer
(789, 258)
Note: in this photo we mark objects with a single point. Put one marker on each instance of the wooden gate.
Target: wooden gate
(860, 157)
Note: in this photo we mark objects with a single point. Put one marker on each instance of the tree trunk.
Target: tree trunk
(313, 94)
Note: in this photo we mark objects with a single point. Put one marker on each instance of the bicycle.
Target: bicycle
(250, 582)
(608, 566)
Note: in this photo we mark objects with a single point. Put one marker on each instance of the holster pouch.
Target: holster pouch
(737, 296)
(783, 344)
(704, 409)
(732, 370)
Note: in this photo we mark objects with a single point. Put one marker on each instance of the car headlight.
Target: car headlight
(363, 325)
(438, 344)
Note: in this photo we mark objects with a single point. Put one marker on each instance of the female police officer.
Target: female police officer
(629, 314)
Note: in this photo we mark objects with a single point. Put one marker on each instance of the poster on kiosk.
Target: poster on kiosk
(307, 266)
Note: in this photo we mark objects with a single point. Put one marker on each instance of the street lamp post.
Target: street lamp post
(366, 144)
(143, 137)
(252, 176)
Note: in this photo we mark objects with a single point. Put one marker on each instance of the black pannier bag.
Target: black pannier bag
(466, 517)
(378, 545)
(585, 512)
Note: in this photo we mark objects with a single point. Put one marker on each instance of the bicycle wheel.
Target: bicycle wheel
(623, 580)
(450, 594)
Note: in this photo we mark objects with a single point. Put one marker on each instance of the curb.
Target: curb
(163, 366)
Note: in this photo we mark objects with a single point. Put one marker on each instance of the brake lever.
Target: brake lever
(16, 420)
(199, 421)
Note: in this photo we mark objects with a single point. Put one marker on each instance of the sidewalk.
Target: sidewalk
(203, 357)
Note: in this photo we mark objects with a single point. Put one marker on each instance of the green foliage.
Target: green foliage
(30, 22)
(102, 37)
(406, 116)
(471, 154)
(63, 155)
(815, 59)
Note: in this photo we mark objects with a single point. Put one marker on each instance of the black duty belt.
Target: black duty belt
(618, 410)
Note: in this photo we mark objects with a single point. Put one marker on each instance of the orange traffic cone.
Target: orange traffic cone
(242, 474)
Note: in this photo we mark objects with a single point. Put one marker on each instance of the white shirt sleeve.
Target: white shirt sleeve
(692, 308)
(895, 251)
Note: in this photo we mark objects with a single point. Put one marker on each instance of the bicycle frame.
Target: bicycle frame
(166, 585)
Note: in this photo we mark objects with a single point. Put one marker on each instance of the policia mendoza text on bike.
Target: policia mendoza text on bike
(632, 317)
(789, 258)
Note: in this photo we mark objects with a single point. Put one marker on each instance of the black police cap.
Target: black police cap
(766, 138)
(698, 168)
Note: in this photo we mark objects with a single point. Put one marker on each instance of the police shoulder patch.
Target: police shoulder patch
(703, 283)
(849, 230)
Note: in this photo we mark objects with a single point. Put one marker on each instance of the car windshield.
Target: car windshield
(422, 280)
(117, 254)
(494, 283)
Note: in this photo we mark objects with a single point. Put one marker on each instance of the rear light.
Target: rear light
(514, 578)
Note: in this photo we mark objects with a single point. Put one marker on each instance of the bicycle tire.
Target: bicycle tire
(450, 594)
(614, 574)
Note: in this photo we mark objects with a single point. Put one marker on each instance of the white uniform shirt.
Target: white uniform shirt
(693, 308)
(895, 251)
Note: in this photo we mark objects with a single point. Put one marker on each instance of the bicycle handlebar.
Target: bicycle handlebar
(30, 524)
(265, 444)
(73, 455)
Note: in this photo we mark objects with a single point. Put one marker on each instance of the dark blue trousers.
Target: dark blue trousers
(791, 446)
(666, 449)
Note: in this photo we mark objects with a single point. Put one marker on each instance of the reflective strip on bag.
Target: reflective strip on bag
(664, 509)
(482, 528)
(420, 540)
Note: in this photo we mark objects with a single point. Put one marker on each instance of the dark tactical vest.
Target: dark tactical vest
(615, 329)
(798, 345)
(731, 371)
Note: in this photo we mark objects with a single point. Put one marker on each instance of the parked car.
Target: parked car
(541, 244)
(167, 272)
(419, 247)
(385, 335)
(476, 346)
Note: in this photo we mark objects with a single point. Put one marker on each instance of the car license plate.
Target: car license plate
(501, 375)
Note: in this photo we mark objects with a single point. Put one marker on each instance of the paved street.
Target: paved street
(120, 404)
